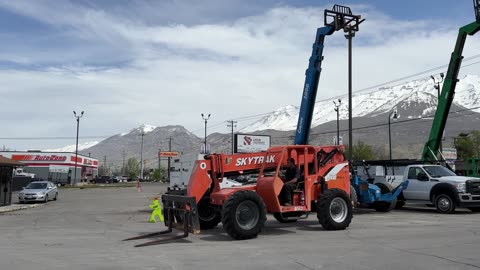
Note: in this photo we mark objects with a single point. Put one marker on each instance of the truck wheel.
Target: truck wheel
(384, 206)
(445, 203)
(208, 216)
(244, 215)
(334, 209)
(353, 197)
(286, 217)
(474, 209)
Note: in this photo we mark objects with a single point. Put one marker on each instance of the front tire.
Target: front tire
(334, 209)
(207, 214)
(445, 204)
(244, 215)
(384, 206)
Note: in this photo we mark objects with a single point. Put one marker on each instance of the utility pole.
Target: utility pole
(74, 178)
(232, 125)
(104, 165)
(159, 150)
(170, 150)
(436, 85)
(338, 119)
(206, 119)
(141, 157)
(123, 166)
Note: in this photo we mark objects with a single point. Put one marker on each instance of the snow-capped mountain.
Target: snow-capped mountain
(467, 94)
(71, 148)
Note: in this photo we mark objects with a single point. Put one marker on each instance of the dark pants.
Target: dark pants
(286, 194)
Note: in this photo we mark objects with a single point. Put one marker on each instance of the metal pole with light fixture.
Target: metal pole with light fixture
(76, 146)
(394, 114)
(141, 157)
(436, 85)
(206, 119)
(338, 119)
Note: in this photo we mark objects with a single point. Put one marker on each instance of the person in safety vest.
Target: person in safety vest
(157, 211)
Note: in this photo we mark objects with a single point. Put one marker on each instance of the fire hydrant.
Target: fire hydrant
(157, 211)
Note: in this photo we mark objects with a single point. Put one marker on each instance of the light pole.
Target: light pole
(141, 157)
(394, 114)
(436, 85)
(338, 119)
(206, 119)
(76, 145)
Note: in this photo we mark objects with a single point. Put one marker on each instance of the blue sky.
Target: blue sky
(128, 63)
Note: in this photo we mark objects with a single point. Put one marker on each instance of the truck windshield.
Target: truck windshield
(438, 171)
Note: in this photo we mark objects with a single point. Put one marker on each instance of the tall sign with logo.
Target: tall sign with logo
(245, 143)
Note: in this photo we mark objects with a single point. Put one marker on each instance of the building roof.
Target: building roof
(11, 163)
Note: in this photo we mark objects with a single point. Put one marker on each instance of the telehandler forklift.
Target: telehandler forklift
(325, 180)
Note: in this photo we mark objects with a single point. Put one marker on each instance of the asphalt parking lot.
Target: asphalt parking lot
(85, 227)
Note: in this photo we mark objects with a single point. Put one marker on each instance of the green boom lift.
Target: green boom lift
(431, 148)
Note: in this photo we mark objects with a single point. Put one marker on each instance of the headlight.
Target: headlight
(460, 187)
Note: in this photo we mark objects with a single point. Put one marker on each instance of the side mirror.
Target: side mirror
(423, 177)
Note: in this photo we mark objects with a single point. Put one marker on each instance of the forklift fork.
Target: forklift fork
(190, 220)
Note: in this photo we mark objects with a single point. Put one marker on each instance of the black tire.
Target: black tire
(334, 209)
(56, 196)
(474, 209)
(444, 203)
(384, 206)
(353, 197)
(244, 215)
(286, 217)
(208, 216)
(46, 199)
(399, 204)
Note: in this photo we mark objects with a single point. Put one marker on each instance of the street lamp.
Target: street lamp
(394, 114)
(436, 85)
(141, 157)
(76, 145)
(206, 119)
(338, 118)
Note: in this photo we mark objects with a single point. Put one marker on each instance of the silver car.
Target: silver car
(41, 191)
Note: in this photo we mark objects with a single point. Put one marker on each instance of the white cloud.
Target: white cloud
(170, 73)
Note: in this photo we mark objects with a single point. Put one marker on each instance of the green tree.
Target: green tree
(159, 174)
(468, 145)
(132, 169)
(361, 151)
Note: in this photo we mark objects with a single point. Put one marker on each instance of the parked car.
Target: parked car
(40, 191)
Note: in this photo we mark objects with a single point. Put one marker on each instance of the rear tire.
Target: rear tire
(334, 209)
(208, 216)
(353, 197)
(474, 209)
(384, 206)
(244, 215)
(444, 203)
(55, 198)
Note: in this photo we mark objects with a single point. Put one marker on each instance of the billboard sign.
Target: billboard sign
(169, 154)
(449, 153)
(245, 143)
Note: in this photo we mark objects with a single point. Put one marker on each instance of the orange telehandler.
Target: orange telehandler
(324, 185)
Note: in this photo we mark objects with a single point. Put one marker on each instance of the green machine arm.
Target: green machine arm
(431, 148)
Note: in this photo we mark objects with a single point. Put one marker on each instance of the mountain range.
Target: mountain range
(415, 103)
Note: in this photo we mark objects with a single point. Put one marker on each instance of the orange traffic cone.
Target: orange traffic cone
(139, 186)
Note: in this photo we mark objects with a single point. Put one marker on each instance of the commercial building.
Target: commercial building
(58, 167)
(6, 170)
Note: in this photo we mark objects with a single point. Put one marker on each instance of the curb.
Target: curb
(16, 207)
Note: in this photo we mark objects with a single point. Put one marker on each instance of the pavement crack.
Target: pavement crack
(303, 265)
(435, 256)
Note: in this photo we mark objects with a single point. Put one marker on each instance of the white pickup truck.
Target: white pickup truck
(430, 184)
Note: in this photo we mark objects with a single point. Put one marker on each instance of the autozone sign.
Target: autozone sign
(253, 160)
(39, 158)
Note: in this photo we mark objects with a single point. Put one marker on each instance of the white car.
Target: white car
(41, 191)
